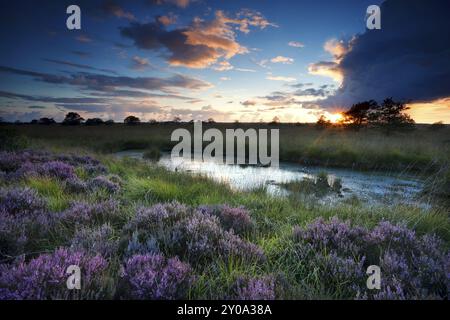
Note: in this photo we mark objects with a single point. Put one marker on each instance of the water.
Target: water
(373, 188)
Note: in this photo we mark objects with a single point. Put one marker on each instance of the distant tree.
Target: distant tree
(109, 122)
(34, 121)
(46, 121)
(275, 120)
(72, 119)
(211, 120)
(152, 121)
(323, 122)
(391, 114)
(359, 113)
(131, 120)
(437, 126)
(176, 119)
(93, 122)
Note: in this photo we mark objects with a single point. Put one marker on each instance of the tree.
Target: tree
(73, 119)
(323, 122)
(211, 120)
(391, 114)
(152, 121)
(46, 121)
(275, 120)
(131, 120)
(93, 122)
(359, 113)
(176, 119)
(437, 126)
(109, 122)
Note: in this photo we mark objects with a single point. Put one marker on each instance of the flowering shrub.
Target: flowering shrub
(23, 218)
(45, 277)
(58, 169)
(237, 219)
(23, 201)
(412, 266)
(95, 240)
(89, 213)
(30, 163)
(152, 276)
(255, 288)
(102, 182)
(190, 233)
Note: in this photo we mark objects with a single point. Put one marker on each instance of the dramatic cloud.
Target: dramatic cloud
(281, 59)
(178, 3)
(296, 44)
(223, 66)
(111, 7)
(199, 45)
(80, 66)
(167, 19)
(408, 59)
(91, 81)
(139, 63)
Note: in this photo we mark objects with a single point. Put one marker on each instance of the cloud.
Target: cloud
(83, 38)
(296, 44)
(244, 70)
(248, 103)
(139, 63)
(80, 66)
(408, 59)
(281, 59)
(100, 82)
(328, 69)
(280, 78)
(199, 45)
(37, 107)
(223, 66)
(111, 7)
(167, 19)
(178, 3)
(225, 78)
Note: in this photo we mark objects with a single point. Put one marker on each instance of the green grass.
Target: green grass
(367, 149)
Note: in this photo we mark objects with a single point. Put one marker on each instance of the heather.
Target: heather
(139, 231)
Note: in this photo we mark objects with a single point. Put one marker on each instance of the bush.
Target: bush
(413, 267)
(190, 233)
(45, 277)
(255, 288)
(154, 277)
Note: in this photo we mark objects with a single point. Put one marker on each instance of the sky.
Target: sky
(227, 60)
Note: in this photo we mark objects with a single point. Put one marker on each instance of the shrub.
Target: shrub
(87, 213)
(413, 267)
(45, 277)
(20, 201)
(255, 288)
(98, 240)
(152, 276)
(190, 233)
(238, 219)
(103, 183)
(58, 169)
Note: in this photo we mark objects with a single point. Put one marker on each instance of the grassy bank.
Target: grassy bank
(368, 149)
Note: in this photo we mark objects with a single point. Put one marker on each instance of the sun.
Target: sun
(335, 117)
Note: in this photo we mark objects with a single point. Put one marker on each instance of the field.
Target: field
(140, 231)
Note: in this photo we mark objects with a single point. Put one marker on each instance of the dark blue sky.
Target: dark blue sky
(246, 60)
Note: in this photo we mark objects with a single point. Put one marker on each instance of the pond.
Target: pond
(372, 188)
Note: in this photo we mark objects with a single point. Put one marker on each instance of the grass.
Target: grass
(421, 149)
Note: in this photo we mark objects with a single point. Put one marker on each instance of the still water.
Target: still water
(372, 188)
